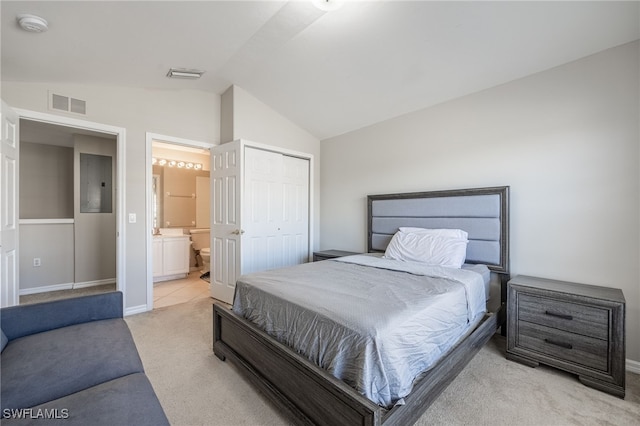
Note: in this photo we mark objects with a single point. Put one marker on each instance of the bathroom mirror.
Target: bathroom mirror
(95, 183)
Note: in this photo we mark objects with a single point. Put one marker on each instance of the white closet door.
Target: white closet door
(262, 243)
(295, 212)
(276, 211)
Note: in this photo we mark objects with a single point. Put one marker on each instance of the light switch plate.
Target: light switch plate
(132, 218)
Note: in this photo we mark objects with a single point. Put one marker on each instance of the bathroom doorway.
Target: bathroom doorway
(178, 211)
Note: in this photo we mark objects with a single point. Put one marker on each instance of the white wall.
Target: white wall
(567, 142)
(180, 113)
(255, 121)
(251, 119)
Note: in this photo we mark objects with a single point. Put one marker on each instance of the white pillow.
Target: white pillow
(451, 233)
(427, 248)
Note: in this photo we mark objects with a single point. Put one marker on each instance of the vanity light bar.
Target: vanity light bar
(176, 163)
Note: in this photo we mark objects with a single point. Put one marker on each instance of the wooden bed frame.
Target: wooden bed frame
(309, 394)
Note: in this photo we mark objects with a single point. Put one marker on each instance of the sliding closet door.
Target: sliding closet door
(295, 214)
(276, 210)
(262, 244)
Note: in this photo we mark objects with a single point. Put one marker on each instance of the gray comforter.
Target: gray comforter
(375, 323)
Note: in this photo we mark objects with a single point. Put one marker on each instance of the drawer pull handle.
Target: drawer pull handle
(561, 344)
(555, 314)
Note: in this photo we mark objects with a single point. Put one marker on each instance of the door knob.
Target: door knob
(238, 232)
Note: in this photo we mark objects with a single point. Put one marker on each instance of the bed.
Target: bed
(311, 394)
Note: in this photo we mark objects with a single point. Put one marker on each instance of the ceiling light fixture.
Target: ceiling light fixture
(328, 5)
(32, 23)
(182, 73)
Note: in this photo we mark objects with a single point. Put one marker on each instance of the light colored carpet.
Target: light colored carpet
(196, 388)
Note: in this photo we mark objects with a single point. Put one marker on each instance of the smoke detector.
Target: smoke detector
(32, 23)
(328, 5)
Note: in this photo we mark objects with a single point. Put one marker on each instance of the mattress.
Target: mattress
(375, 323)
(486, 276)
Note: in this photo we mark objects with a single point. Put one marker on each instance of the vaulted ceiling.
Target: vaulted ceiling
(328, 72)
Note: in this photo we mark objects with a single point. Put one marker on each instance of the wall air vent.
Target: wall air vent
(67, 104)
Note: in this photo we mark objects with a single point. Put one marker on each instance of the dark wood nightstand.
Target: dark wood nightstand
(574, 327)
(331, 254)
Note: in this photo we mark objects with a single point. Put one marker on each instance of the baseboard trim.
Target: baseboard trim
(633, 366)
(94, 283)
(64, 286)
(135, 310)
(46, 288)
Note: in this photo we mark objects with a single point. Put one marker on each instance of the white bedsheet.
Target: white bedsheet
(375, 323)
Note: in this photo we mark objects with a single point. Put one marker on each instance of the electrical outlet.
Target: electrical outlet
(36, 261)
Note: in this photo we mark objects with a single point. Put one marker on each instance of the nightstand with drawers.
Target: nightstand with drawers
(331, 254)
(574, 327)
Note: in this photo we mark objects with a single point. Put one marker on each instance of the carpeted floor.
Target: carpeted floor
(196, 388)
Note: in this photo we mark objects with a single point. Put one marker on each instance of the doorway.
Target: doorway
(178, 211)
(57, 270)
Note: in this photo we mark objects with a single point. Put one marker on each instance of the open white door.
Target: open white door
(9, 152)
(226, 230)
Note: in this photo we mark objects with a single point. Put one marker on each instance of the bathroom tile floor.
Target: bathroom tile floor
(172, 292)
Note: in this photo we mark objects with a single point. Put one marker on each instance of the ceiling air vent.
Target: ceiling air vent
(67, 104)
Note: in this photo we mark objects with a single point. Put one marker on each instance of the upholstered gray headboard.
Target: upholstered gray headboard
(482, 212)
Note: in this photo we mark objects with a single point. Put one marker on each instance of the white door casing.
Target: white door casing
(9, 163)
(226, 226)
(150, 138)
(120, 134)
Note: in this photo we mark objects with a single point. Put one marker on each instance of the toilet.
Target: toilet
(205, 254)
(200, 241)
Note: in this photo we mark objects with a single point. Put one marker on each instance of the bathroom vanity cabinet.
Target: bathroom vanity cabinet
(170, 257)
